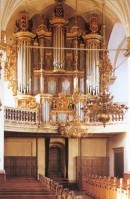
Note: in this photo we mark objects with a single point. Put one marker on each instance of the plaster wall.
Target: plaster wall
(121, 140)
(94, 147)
(89, 147)
(27, 147)
(117, 48)
(73, 152)
(20, 147)
(41, 156)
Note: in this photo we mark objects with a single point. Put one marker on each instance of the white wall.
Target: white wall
(121, 140)
(121, 91)
(73, 152)
(94, 147)
(9, 99)
(119, 62)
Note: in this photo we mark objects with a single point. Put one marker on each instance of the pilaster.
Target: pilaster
(2, 56)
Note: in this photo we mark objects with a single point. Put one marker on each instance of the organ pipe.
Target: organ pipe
(58, 22)
(24, 62)
(92, 58)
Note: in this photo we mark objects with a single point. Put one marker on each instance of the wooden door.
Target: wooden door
(55, 162)
(118, 162)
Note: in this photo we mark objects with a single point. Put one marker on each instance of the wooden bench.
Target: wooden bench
(25, 188)
(106, 187)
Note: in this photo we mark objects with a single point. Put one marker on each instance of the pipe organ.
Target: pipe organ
(56, 56)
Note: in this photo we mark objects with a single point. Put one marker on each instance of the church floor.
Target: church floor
(72, 187)
(22, 188)
(82, 195)
(15, 188)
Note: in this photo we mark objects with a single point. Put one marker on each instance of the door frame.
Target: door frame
(61, 146)
(117, 151)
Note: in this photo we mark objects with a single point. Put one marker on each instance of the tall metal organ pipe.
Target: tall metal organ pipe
(58, 22)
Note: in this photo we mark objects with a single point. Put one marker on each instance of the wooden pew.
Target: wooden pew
(26, 188)
(61, 193)
(102, 187)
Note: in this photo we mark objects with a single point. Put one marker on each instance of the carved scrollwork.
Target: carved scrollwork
(10, 73)
(62, 102)
(105, 69)
(27, 103)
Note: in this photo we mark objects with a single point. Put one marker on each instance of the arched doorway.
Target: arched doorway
(56, 161)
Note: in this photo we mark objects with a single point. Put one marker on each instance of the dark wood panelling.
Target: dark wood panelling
(20, 166)
(91, 165)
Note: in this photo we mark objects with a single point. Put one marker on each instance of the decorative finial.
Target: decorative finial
(24, 23)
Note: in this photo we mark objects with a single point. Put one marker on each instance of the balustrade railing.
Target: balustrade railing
(114, 119)
(18, 115)
(33, 116)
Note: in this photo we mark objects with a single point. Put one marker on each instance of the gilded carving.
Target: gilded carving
(3, 36)
(105, 69)
(10, 72)
(0, 62)
(127, 53)
(27, 103)
(57, 18)
(93, 25)
(62, 102)
(24, 23)
(76, 97)
(92, 41)
(41, 29)
(128, 42)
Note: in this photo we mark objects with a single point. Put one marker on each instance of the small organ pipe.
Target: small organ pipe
(24, 62)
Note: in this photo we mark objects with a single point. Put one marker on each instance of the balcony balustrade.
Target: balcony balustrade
(19, 116)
